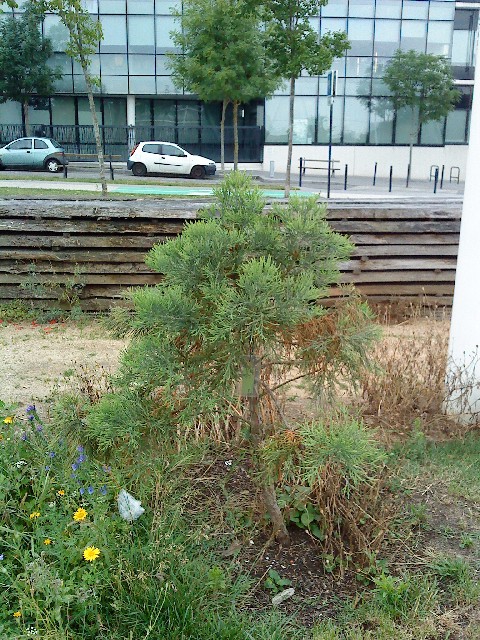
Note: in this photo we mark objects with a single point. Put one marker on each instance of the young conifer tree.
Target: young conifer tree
(237, 317)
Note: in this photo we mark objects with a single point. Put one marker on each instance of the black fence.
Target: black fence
(79, 140)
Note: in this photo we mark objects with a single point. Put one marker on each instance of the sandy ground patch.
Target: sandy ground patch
(36, 360)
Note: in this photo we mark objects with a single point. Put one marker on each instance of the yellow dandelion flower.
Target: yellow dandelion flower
(47, 541)
(8, 420)
(60, 492)
(1, 437)
(80, 514)
(17, 614)
(91, 553)
(34, 515)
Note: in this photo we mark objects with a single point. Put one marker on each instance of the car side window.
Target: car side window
(151, 148)
(40, 144)
(171, 150)
(26, 143)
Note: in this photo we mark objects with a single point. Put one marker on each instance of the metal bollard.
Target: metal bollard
(441, 179)
(408, 175)
(375, 174)
(111, 169)
(272, 169)
(436, 181)
(390, 180)
(65, 172)
(346, 178)
(301, 173)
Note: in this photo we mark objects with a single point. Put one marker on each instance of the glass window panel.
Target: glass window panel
(64, 84)
(462, 48)
(441, 10)
(379, 66)
(361, 8)
(112, 6)
(20, 144)
(163, 68)
(140, 6)
(439, 38)
(388, 9)
(141, 34)
(360, 34)
(335, 8)
(40, 144)
(314, 24)
(432, 132)
(332, 24)
(211, 114)
(91, 6)
(164, 112)
(113, 63)
(141, 65)
(114, 34)
(94, 66)
(114, 84)
(165, 85)
(415, 10)
(62, 62)
(407, 124)
(324, 120)
(142, 113)
(456, 126)
(355, 122)
(164, 7)
(414, 35)
(379, 88)
(56, 31)
(142, 85)
(10, 112)
(163, 28)
(387, 37)
(323, 87)
(276, 120)
(306, 86)
(84, 115)
(304, 120)
(381, 122)
(188, 113)
(359, 67)
(357, 86)
(80, 86)
(114, 112)
(63, 110)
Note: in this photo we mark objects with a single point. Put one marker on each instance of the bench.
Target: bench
(108, 158)
(321, 165)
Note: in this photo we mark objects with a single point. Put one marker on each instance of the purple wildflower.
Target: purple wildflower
(103, 490)
(30, 409)
(1, 556)
(81, 458)
(80, 449)
(74, 466)
(51, 454)
(24, 436)
(31, 418)
(47, 467)
(107, 469)
(82, 491)
(73, 476)
(39, 427)
(90, 489)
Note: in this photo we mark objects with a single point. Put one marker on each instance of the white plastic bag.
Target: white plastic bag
(129, 508)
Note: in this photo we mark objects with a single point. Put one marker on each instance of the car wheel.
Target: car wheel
(139, 169)
(197, 172)
(53, 165)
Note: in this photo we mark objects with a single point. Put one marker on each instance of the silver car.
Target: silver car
(33, 153)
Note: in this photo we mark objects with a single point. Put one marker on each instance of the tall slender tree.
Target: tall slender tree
(422, 83)
(294, 46)
(85, 34)
(223, 57)
(24, 55)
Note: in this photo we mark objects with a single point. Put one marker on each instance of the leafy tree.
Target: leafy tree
(293, 46)
(223, 57)
(423, 83)
(24, 56)
(235, 319)
(85, 34)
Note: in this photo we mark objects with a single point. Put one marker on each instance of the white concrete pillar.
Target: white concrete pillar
(463, 369)
(130, 111)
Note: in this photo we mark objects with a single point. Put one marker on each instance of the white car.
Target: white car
(166, 157)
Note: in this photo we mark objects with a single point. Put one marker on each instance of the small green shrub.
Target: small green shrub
(275, 583)
(406, 597)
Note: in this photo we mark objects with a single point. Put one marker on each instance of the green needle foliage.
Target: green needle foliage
(24, 55)
(423, 83)
(237, 315)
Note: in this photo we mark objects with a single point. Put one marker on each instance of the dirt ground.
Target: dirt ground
(37, 360)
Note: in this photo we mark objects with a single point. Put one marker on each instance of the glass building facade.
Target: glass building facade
(137, 89)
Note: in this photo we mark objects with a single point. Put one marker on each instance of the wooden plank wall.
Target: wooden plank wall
(403, 250)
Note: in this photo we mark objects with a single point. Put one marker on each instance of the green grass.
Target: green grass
(87, 195)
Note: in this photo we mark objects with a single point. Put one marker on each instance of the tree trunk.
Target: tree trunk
(290, 137)
(222, 134)
(96, 129)
(235, 135)
(267, 487)
(26, 118)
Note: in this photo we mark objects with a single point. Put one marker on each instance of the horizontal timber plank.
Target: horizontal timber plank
(7, 266)
(360, 239)
(399, 289)
(400, 226)
(398, 276)
(76, 256)
(91, 226)
(371, 250)
(66, 241)
(405, 264)
(90, 291)
(86, 279)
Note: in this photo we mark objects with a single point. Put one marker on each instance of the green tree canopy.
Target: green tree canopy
(293, 46)
(423, 83)
(24, 55)
(223, 55)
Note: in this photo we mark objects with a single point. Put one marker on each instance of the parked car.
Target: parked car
(166, 157)
(33, 153)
